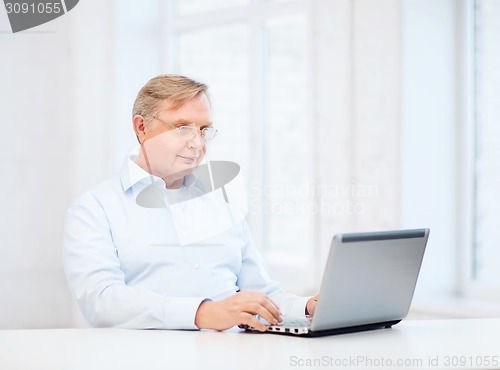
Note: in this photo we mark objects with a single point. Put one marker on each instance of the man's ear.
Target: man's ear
(140, 128)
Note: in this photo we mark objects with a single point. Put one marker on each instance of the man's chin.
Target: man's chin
(180, 174)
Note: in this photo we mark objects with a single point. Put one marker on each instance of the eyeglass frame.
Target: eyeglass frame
(177, 128)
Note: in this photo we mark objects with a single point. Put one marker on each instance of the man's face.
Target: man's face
(167, 154)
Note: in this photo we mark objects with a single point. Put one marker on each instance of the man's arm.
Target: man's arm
(94, 276)
(254, 276)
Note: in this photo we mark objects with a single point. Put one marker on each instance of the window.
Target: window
(486, 230)
(287, 170)
(218, 56)
(254, 57)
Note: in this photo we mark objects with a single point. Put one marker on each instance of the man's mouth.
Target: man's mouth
(189, 159)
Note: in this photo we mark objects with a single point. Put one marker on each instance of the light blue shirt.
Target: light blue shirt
(127, 268)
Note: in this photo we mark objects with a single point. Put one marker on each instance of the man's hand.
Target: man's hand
(311, 305)
(238, 310)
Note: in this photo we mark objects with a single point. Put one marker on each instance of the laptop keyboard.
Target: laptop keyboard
(293, 325)
(296, 326)
(295, 322)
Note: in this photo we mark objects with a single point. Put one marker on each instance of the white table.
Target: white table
(419, 344)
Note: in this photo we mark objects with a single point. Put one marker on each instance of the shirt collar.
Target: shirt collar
(131, 173)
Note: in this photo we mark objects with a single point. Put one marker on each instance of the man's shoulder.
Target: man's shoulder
(100, 192)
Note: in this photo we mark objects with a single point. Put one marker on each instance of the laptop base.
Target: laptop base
(336, 331)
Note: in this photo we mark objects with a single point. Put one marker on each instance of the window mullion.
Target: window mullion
(256, 130)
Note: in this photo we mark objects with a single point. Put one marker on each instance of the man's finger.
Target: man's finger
(253, 322)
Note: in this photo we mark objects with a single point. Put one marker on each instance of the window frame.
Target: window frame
(467, 285)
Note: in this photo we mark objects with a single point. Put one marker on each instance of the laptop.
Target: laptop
(368, 283)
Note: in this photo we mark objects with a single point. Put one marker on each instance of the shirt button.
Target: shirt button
(196, 266)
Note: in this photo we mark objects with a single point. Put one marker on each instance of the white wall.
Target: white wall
(35, 164)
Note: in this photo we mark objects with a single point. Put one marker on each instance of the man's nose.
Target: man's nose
(197, 141)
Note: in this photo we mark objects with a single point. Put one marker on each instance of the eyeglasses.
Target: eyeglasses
(188, 132)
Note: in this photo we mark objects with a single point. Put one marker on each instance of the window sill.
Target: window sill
(453, 307)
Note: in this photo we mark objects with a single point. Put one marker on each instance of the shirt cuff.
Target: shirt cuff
(298, 307)
(180, 312)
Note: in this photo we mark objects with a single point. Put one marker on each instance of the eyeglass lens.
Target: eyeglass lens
(189, 132)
